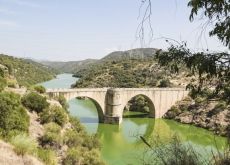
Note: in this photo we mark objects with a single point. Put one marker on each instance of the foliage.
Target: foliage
(217, 12)
(77, 126)
(34, 102)
(13, 117)
(73, 139)
(211, 69)
(3, 83)
(174, 153)
(82, 156)
(40, 89)
(54, 114)
(164, 83)
(63, 102)
(125, 73)
(27, 72)
(23, 144)
(47, 156)
(139, 104)
(51, 137)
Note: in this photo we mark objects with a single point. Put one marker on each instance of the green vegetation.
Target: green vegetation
(81, 156)
(52, 137)
(23, 144)
(3, 83)
(13, 117)
(62, 100)
(47, 156)
(40, 89)
(126, 73)
(54, 114)
(27, 72)
(174, 153)
(139, 104)
(34, 102)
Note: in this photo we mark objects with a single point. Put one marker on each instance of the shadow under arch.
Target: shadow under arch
(152, 112)
(96, 104)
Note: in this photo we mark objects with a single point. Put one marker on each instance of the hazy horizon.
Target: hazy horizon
(59, 31)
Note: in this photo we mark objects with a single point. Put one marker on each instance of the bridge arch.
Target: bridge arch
(99, 109)
(152, 111)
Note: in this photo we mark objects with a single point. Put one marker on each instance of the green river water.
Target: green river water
(121, 145)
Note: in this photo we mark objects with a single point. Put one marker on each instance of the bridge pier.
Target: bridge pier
(113, 110)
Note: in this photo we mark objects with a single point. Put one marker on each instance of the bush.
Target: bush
(47, 156)
(82, 156)
(72, 157)
(13, 117)
(3, 84)
(54, 114)
(173, 153)
(23, 144)
(91, 141)
(35, 102)
(77, 125)
(40, 89)
(164, 83)
(63, 102)
(72, 138)
(51, 136)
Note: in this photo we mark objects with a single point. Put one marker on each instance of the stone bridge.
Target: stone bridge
(110, 102)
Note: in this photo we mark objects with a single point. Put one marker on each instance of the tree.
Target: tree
(40, 89)
(217, 12)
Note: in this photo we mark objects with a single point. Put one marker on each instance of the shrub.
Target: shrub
(72, 138)
(63, 102)
(40, 89)
(164, 83)
(172, 153)
(82, 156)
(12, 83)
(76, 124)
(72, 157)
(51, 136)
(91, 141)
(199, 100)
(35, 102)
(3, 84)
(47, 156)
(23, 144)
(54, 114)
(13, 117)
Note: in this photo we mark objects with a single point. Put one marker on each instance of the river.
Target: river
(121, 145)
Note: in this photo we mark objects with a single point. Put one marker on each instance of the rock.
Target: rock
(186, 118)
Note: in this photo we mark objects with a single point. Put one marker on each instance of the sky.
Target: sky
(72, 30)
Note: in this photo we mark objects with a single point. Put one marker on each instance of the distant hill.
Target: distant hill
(26, 71)
(131, 54)
(75, 66)
(69, 67)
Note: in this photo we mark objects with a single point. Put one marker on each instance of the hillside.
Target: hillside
(69, 67)
(27, 72)
(132, 68)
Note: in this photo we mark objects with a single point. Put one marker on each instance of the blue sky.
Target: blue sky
(78, 29)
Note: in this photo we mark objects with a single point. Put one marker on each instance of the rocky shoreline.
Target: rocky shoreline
(213, 115)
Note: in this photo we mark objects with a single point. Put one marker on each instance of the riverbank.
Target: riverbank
(213, 115)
